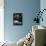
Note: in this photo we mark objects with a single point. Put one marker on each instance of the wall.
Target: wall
(28, 8)
(43, 6)
(1, 20)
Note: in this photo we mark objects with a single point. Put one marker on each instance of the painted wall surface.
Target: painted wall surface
(43, 6)
(28, 8)
(1, 20)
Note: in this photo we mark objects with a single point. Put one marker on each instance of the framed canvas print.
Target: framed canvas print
(17, 18)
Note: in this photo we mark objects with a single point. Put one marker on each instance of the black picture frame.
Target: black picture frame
(17, 19)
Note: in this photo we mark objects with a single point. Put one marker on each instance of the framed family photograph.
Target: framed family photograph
(17, 19)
